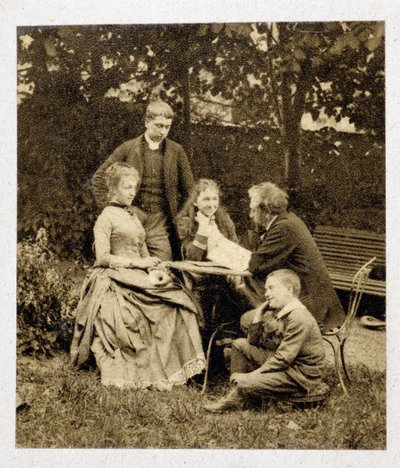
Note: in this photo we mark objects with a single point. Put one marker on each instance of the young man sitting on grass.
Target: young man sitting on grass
(283, 353)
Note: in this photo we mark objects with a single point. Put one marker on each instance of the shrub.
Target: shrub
(68, 223)
(45, 301)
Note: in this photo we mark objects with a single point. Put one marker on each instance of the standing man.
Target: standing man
(285, 242)
(166, 178)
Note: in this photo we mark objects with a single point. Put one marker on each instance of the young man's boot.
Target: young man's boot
(232, 400)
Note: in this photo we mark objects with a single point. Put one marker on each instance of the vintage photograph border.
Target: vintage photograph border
(42, 12)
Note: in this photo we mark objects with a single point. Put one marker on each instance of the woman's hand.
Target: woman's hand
(144, 263)
(151, 262)
(202, 219)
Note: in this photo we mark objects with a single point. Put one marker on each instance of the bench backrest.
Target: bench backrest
(348, 249)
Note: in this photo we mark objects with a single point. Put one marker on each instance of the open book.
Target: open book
(229, 254)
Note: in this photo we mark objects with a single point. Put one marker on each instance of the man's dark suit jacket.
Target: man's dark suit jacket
(178, 178)
(288, 244)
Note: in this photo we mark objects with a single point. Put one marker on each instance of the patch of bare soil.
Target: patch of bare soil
(363, 347)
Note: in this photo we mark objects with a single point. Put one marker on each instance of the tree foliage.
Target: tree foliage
(306, 67)
(269, 73)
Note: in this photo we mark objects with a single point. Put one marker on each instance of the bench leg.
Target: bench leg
(340, 367)
(337, 349)
(343, 360)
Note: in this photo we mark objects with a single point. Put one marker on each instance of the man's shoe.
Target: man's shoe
(230, 402)
(220, 406)
(322, 389)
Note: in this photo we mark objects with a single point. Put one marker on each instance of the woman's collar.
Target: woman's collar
(117, 204)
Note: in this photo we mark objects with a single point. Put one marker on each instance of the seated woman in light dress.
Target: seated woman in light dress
(143, 334)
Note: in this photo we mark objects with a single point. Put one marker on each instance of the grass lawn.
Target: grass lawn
(71, 409)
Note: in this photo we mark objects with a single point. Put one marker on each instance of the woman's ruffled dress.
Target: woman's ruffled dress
(141, 335)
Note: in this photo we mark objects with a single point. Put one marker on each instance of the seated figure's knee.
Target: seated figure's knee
(240, 344)
(246, 319)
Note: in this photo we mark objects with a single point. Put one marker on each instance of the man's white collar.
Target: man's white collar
(153, 145)
(267, 227)
(295, 304)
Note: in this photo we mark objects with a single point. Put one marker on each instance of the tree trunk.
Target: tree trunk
(293, 108)
(291, 137)
(294, 88)
(185, 83)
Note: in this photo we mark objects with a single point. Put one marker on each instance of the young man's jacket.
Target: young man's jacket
(298, 349)
(178, 177)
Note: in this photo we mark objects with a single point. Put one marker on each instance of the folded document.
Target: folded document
(229, 254)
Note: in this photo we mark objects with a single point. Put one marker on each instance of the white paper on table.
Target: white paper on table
(229, 254)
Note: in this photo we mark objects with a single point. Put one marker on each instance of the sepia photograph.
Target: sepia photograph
(201, 239)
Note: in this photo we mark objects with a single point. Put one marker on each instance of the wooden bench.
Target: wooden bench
(345, 250)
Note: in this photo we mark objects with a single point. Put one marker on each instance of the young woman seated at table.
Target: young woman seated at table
(143, 334)
(202, 221)
(201, 225)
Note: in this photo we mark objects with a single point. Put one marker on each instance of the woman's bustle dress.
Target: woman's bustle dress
(141, 335)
